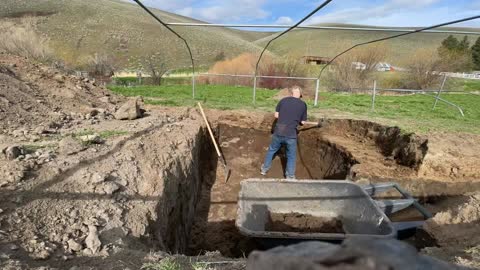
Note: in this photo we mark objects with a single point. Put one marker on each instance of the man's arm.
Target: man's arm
(304, 116)
(277, 109)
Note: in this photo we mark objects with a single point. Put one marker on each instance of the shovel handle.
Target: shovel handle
(210, 131)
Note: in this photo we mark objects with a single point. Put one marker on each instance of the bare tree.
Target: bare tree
(100, 65)
(356, 68)
(422, 67)
(156, 68)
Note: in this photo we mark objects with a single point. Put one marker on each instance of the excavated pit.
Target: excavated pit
(322, 153)
(244, 150)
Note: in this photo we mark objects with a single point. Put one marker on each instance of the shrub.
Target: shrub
(22, 40)
(100, 65)
(245, 64)
(346, 76)
(422, 67)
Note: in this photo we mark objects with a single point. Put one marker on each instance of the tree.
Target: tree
(422, 67)
(450, 43)
(476, 54)
(220, 57)
(464, 45)
(100, 65)
(156, 68)
(455, 55)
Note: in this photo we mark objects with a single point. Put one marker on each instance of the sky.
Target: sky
(405, 13)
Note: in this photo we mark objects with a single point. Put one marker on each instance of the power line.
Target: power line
(281, 34)
(178, 35)
(396, 36)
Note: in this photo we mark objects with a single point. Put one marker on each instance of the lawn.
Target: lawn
(412, 112)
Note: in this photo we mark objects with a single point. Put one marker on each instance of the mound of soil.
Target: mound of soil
(303, 223)
(32, 94)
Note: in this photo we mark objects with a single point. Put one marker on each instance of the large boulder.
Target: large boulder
(354, 253)
(130, 110)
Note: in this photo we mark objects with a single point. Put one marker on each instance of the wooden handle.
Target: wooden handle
(311, 123)
(209, 130)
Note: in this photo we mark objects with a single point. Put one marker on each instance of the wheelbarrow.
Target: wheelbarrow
(349, 202)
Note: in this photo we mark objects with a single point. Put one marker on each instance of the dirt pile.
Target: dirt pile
(125, 195)
(303, 223)
(455, 233)
(455, 226)
(35, 96)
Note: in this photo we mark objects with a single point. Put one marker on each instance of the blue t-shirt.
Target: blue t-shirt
(291, 112)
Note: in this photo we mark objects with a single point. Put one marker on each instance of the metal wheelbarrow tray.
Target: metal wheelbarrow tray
(351, 203)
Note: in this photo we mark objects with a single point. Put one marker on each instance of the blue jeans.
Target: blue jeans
(275, 145)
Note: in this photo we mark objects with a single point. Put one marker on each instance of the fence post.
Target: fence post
(439, 91)
(317, 86)
(254, 88)
(374, 92)
(193, 85)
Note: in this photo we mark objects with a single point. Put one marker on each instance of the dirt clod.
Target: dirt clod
(304, 223)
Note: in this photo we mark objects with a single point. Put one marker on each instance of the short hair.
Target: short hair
(290, 90)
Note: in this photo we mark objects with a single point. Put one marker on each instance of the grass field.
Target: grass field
(412, 112)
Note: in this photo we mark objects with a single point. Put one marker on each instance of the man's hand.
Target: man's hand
(276, 115)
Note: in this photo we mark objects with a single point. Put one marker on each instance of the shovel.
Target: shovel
(222, 159)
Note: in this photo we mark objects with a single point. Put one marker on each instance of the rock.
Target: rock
(94, 138)
(130, 110)
(12, 152)
(70, 146)
(14, 247)
(109, 188)
(105, 99)
(41, 255)
(96, 178)
(92, 241)
(59, 78)
(18, 133)
(74, 245)
(354, 253)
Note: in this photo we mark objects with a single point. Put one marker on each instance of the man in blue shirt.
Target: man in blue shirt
(290, 112)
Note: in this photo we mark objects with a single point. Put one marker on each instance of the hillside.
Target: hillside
(330, 42)
(79, 28)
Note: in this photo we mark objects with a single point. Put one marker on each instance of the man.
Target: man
(290, 112)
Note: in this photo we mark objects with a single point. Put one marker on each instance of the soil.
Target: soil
(302, 223)
(154, 184)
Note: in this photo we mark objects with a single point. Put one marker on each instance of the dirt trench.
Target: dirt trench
(332, 152)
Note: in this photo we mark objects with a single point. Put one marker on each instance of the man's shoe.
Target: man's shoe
(291, 178)
(263, 173)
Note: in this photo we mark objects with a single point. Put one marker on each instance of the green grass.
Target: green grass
(165, 264)
(213, 96)
(103, 134)
(412, 112)
(462, 85)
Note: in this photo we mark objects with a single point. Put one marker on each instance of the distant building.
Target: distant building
(315, 60)
(382, 66)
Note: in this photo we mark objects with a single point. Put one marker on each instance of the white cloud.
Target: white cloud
(284, 20)
(232, 11)
(215, 11)
(373, 12)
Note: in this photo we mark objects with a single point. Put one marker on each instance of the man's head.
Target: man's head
(295, 91)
